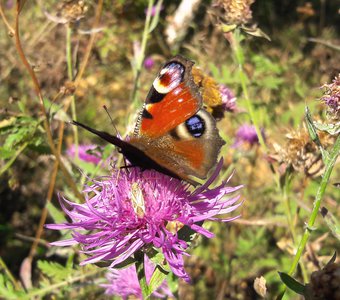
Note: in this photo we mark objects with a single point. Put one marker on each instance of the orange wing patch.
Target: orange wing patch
(176, 107)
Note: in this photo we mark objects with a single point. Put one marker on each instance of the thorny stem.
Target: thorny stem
(317, 202)
(42, 107)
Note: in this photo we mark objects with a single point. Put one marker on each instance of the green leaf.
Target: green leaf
(332, 129)
(157, 278)
(7, 290)
(56, 214)
(332, 222)
(6, 153)
(158, 259)
(12, 159)
(291, 283)
(313, 134)
(256, 32)
(140, 267)
(332, 260)
(53, 270)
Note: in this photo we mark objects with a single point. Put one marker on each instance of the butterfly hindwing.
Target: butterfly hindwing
(190, 149)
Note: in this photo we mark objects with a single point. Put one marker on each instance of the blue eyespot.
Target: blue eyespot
(195, 126)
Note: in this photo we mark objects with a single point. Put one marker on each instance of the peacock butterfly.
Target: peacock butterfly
(174, 133)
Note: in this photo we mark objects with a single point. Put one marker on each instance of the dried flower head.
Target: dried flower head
(87, 153)
(331, 98)
(302, 153)
(124, 282)
(133, 209)
(235, 11)
(69, 11)
(325, 283)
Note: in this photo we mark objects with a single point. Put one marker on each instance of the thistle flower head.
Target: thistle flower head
(332, 97)
(149, 63)
(228, 98)
(87, 153)
(153, 10)
(124, 282)
(133, 209)
(246, 135)
(9, 4)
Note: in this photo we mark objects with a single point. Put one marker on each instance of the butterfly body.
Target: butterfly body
(174, 134)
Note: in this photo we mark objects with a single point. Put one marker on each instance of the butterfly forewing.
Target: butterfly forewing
(172, 99)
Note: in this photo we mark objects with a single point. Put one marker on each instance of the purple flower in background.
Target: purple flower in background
(246, 134)
(124, 282)
(153, 10)
(87, 153)
(9, 4)
(133, 209)
(149, 63)
(228, 98)
(332, 97)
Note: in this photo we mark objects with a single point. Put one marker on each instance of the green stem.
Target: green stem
(3, 267)
(285, 192)
(238, 53)
(70, 76)
(319, 195)
(53, 287)
(13, 158)
(141, 54)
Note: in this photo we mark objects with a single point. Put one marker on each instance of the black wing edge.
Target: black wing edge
(102, 134)
(136, 156)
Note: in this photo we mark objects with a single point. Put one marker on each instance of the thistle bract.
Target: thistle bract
(124, 282)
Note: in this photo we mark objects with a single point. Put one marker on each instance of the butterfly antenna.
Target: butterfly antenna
(113, 124)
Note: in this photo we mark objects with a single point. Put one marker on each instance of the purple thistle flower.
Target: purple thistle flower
(9, 4)
(246, 134)
(124, 282)
(153, 10)
(149, 63)
(87, 153)
(332, 96)
(133, 209)
(228, 98)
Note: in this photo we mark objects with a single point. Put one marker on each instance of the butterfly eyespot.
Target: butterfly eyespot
(195, 125)
(169, 78)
